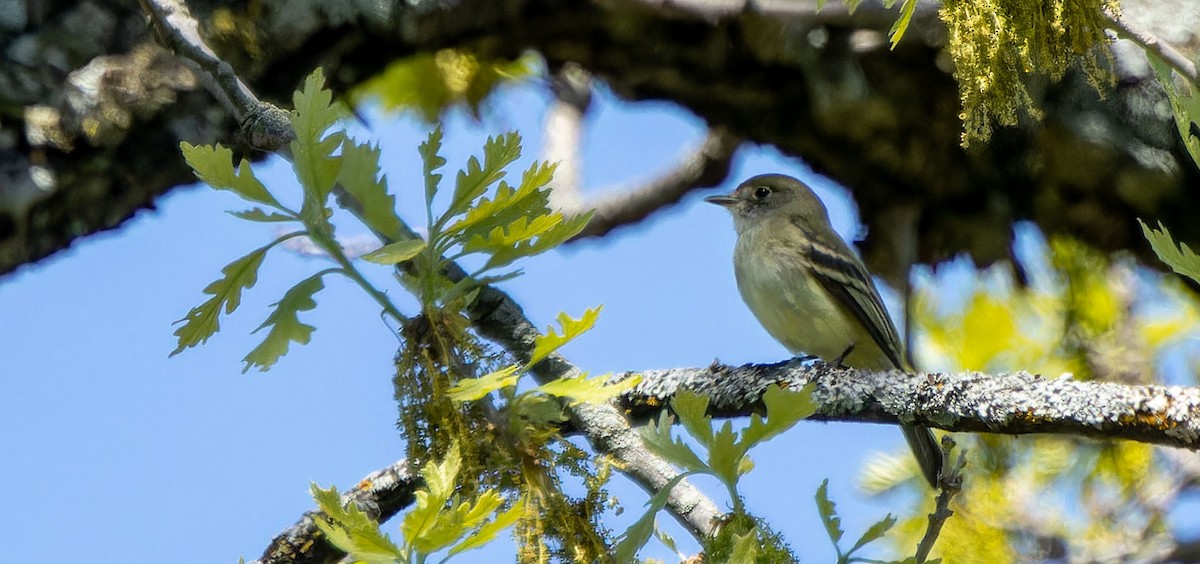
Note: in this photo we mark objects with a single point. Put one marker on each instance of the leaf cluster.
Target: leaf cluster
(533, 413)
(438, 521)
(486, 217)
(514, 222)
(322, 159)
(1079, 312)
(557, 526)
(726, 449)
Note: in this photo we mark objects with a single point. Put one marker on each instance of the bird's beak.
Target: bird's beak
(723, 201)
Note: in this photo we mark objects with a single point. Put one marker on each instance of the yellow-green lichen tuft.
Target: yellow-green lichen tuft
(997, 44)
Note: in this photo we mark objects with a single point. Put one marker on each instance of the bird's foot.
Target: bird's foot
(841, 359)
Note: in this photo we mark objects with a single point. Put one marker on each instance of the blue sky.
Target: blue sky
(133, 455)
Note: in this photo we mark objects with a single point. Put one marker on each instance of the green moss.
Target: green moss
(772, 549)
(439, 350)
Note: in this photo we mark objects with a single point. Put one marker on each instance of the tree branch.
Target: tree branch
(266, 126)
(380, 495)
(1153, 44)
(1017, 403)
(820, 85)
(706, 167)
(572, 87)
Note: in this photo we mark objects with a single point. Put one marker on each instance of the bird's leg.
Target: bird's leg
(842, 358)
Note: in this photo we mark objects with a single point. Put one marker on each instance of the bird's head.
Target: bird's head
(768, 196)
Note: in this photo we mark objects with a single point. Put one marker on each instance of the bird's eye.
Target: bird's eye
(762, 192)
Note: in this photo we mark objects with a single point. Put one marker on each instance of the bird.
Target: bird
(810, 291)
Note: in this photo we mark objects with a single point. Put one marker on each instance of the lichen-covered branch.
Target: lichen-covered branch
(381, 495)
(1017, 403)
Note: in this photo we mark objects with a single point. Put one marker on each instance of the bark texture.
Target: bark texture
(93, 108)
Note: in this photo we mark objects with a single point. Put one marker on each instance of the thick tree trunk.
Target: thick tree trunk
(95, 108)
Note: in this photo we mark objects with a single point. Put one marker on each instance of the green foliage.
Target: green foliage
(544, 345)
(745, 547)
(833, 526)
(496, 223)
(1178, 256)
(353, 531)
(260, 216)
(395, 253)
(488, 220)
(321, 158)
(516, 222)
(316, 167)
(727, 450)
(551, 341)
(285, 324)
(431, 162)
(204, 320)
(513, 223)
(636, 535)
(745, 538)
(213, 165)
(907, 9)
(533, 410)
(828, 513)
(582, 389)
(428, 83)
(1078, 313)
(439, 520)
(473, 389)
(358, 175)
(1185, 103)
(996, 43)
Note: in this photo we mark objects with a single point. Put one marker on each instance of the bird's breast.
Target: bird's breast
(789, 302)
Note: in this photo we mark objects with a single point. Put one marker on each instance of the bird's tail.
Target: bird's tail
(927, 451)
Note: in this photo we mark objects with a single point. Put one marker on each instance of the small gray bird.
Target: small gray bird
(810, 291)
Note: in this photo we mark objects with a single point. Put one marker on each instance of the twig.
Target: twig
(266, 126)
(1152, 44)
(950, 483)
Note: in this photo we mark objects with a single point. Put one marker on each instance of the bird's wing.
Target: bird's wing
(845, 278)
